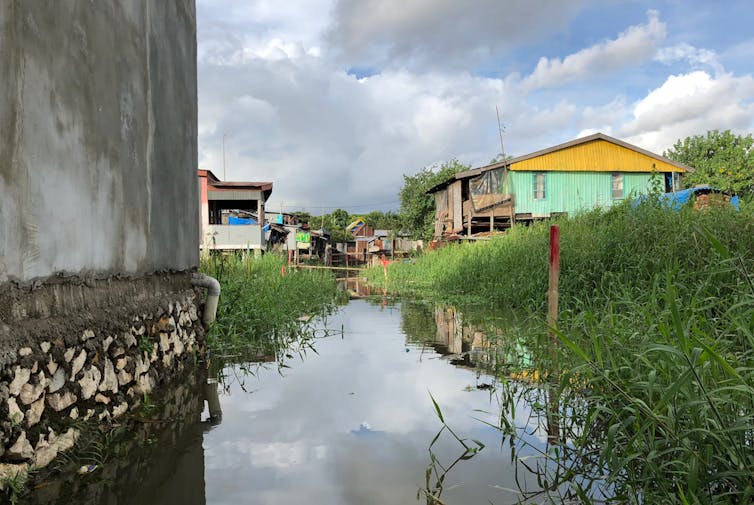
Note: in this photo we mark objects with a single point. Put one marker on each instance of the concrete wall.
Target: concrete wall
(218, 236)
(98, 137)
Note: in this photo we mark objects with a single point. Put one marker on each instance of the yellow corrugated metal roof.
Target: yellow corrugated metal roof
(679, 167)
(595, 155)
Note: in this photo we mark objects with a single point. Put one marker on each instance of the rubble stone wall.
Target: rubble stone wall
(87, 351)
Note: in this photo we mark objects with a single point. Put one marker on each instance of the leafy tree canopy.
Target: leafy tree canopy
(340, 218)
(383, 220)
(720, 159)
(302, 216)
(417, 207)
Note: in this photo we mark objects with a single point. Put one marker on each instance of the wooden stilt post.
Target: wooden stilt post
(553, 428)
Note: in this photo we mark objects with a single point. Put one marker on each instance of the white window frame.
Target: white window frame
(618, 190)
(539, 193)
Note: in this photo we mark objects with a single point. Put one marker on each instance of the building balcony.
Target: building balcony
(232, 237)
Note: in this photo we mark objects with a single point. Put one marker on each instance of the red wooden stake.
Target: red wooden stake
(552, 308)
(553, 430)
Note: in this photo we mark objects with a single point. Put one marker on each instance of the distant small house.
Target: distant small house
(232, 213)
(593, 171)
(359, 228)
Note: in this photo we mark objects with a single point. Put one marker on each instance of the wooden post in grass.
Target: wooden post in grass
(384, 267)
(552, 297)
(553, 423)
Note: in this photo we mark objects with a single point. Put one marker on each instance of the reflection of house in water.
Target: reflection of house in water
(465, 344)
(357, 287)
(469, 345)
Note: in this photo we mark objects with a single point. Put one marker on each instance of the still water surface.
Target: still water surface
(349, 422)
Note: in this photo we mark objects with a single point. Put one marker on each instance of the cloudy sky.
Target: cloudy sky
(334, 100)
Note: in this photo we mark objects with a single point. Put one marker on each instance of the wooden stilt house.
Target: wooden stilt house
(593, 171)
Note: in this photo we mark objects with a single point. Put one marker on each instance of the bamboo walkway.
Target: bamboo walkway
(315, 267)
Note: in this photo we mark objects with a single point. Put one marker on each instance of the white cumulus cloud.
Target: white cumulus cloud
(631, 47)
(690, 104)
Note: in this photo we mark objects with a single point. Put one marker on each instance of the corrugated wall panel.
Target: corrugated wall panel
(455, 190)
(596, 156)
(572, 192)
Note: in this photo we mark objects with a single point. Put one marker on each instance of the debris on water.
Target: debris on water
(85, 469)
(482, 386)
(365, 430)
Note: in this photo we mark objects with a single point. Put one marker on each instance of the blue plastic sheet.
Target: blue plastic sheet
(234, 221)
(680, 198)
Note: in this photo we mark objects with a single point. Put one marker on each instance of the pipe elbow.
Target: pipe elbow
(212, 286)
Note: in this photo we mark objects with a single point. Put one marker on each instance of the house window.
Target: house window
(617, 186)
(538, 185)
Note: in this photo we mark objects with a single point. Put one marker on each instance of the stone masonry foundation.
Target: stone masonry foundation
(90, 349)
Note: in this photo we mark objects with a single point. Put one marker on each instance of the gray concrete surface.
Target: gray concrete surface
(98, 138)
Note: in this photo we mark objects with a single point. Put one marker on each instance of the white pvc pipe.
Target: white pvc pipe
(213, 295)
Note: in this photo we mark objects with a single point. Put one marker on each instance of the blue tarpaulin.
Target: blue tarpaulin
(678, 199)
(232, 220)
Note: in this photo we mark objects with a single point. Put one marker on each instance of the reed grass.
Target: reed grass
(260, 301)
(655, 377)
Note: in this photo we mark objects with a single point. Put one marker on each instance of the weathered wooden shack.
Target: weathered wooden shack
(589, 172)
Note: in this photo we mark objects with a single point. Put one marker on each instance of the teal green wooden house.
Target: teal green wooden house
(593, 171)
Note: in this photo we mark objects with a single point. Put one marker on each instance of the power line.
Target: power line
(344, 207)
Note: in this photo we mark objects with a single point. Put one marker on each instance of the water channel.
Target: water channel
(343, 416)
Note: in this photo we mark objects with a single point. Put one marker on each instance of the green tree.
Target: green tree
(303, 217)
(340, 218)
(383, 220)
(499, 157)
(721, 159)
(335, 223)
(417, 207)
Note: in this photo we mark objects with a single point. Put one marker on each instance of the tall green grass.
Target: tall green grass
(655, 376)
(602, 252)
(259, 303)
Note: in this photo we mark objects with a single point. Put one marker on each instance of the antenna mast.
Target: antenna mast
(500, 131)
(224, 177)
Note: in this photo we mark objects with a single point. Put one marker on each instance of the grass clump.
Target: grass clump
(262, 298)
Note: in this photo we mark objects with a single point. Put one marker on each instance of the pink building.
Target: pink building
(232, 212)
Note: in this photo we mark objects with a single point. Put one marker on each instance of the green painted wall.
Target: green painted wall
(571, 192)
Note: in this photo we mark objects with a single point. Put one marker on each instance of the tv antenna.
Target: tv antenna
(500, 129)
(224, 135)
